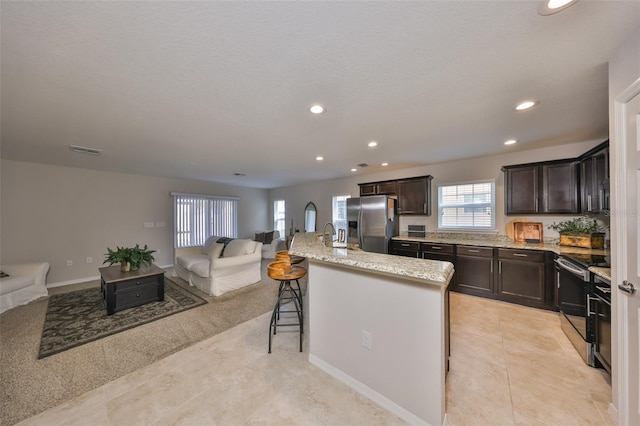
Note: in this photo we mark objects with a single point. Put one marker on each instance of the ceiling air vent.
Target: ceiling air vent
(85, 150)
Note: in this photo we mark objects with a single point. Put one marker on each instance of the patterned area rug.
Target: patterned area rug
(80, 317)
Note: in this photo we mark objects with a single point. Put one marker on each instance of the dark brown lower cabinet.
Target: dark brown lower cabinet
(525, 277)
(521, 276)
(474, 270)
(405, 248)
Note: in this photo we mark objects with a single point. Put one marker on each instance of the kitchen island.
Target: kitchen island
(379, 323)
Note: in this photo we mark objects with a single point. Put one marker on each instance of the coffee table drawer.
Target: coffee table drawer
(134, 283)
(136, 297)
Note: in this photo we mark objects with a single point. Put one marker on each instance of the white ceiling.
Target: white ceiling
(202, 90)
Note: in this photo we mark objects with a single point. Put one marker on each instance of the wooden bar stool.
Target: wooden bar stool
(285, 256)
(284, 272)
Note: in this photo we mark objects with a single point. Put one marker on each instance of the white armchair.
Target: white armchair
(26, 282)
(270, 248)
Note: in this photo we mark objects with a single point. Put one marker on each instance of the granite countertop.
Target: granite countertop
(426, 271)
(602, 272)
(505, 242)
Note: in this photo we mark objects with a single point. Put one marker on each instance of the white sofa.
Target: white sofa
(269, 249)
(239, 266)
(26, 282)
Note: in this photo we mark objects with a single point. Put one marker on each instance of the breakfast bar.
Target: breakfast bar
(379, 323)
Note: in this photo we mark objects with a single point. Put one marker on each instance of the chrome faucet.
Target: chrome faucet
(324, 234)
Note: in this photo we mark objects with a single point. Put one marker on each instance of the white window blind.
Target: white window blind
(196, 217)
(279, 215)
(467, 206)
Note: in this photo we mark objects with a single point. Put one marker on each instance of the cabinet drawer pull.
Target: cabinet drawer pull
(436, 248)
(473, 251)
(405, 245)
(519, 254)
(138, 295)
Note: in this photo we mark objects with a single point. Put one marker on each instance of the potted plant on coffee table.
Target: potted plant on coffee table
(580, 232)
(129, 258)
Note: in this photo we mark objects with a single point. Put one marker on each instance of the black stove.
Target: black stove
(587, 260)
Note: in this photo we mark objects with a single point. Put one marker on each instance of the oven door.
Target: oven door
(575, 307)
(573, 291)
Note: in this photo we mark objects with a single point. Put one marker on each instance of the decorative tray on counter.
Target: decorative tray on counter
(529, 232)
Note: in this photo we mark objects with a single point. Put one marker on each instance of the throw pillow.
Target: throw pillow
(216, 251)
(259, 237)
(268, 237)
(239, 248)
(208, 244)
(3, 274)
(225, 241)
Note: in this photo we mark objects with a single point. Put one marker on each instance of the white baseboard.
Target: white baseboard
(365, 390)
(85, 279)
(78, 281)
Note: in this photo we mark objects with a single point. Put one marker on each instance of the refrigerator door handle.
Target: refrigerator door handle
(360, 217)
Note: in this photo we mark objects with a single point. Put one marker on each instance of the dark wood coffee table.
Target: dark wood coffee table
(123, 290)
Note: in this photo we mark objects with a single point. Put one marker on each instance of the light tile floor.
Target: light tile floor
(514, 365)
(509, 365)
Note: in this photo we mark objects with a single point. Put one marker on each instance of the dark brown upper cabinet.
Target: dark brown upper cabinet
(378, 188)
(594, 179)
(367, 189)
(387, 188)
(549, 187)
(414, 194)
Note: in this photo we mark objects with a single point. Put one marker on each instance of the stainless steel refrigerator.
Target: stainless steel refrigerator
(372, 221)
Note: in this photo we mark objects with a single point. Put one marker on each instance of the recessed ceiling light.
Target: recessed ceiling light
(354, 170)
(372, 144)
(385, 164)
(317, 109)
(510, 142)
(526, 105)
(319, 158)
(549, 7)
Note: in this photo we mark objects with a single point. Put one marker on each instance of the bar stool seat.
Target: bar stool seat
(284, 272)
(285, 256)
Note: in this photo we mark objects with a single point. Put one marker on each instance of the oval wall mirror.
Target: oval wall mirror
(310, 217)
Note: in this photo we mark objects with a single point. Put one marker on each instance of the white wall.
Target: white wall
(624, 69)
(321, 193)
(52, 214)
(405, 367)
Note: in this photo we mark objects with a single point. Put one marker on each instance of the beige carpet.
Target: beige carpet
(30, 386)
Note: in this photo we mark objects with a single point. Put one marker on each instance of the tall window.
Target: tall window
(339, 213)
(196, 217)
(467, 205)
(279, 217)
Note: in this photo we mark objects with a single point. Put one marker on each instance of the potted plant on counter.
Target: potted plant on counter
(129, 258)
(580, 232)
